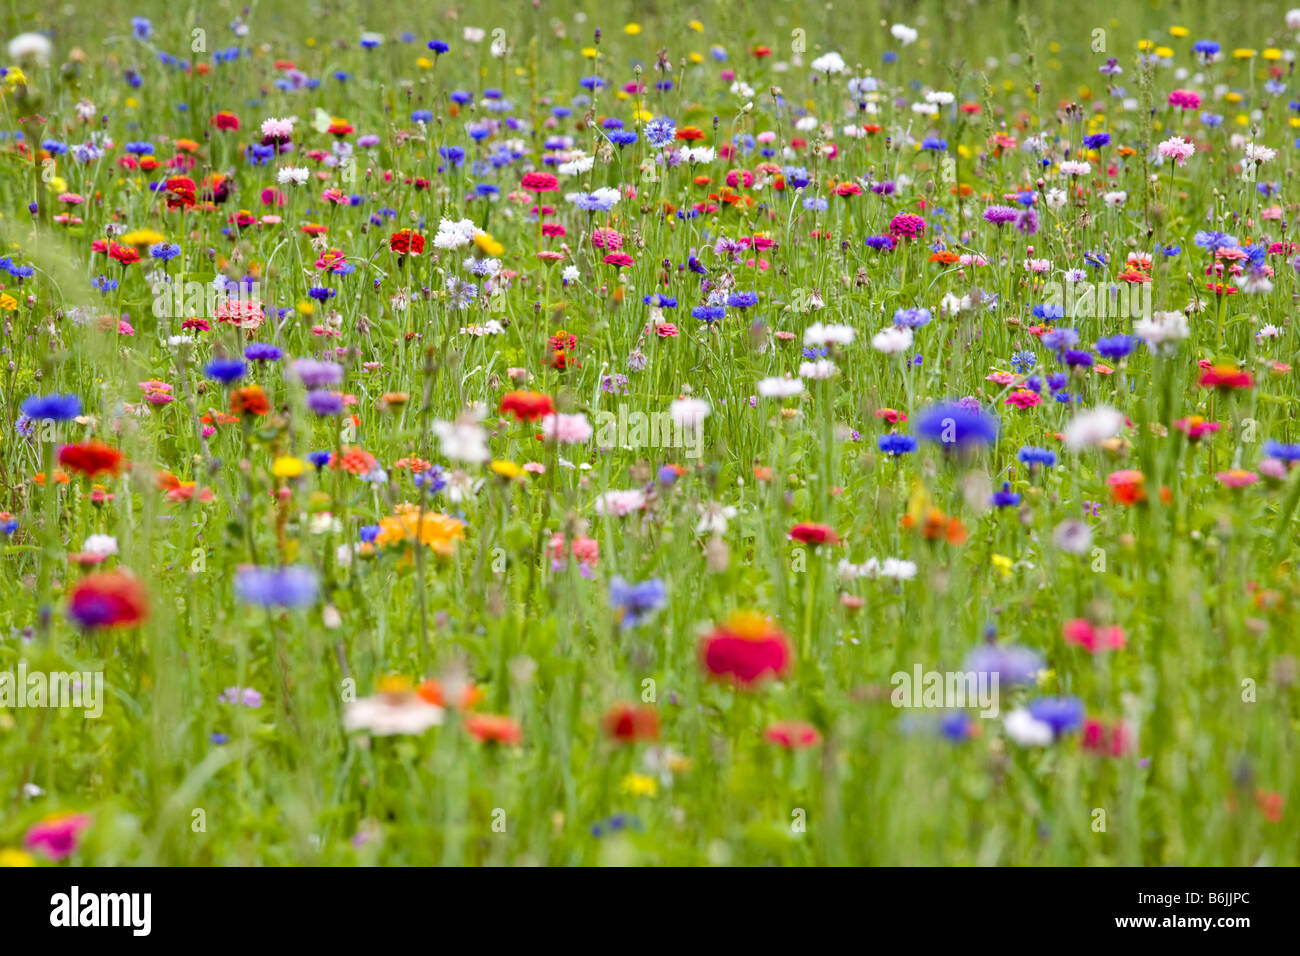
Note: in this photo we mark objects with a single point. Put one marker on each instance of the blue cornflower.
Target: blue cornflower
(1096, 140)
(319, 458)
(1060, 339)
(660, 132)
(438, 47)
(622, 137)
(226, 370)
(1213, 240)
(896, 444)
(1006, 498)
(1036, 457)
(742, 300)
(1049, 312)
(1023, 361)
(1012, 664)
(1062, 714)
(164, 251)
(708, 313)
(1115, 347)
(633, 603)
(59, 408)
(912, 318)
(955, 424)
(1276, 449)
(262, 352)
(294, 586)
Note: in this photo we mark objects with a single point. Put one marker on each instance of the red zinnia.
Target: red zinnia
(540, 182)
(90, 458)
(406, 243)
(527, 406)
(745, 650)
(814, 534)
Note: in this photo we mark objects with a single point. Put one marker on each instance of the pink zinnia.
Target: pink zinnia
(1185, 99)
(57, 836)
(604, 238)
(907, 226)
(567, 429)
(1093, 639)
(540, 182)
(1236, 478)
(1023, 398)
(618, 259)
(1177, 149)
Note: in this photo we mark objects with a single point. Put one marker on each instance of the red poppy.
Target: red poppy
(108, 599)
(494, 728)
(629, 723)
(792, 736)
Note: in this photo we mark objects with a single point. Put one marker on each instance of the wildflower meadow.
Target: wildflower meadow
(574, 433)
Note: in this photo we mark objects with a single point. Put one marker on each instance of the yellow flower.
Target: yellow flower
(306, 307)
(8, 303)
(15, 858)
(1164, 52)
(1245, 53)
(286, 466)
(142, 237)
(1272, 53)
(1232, 97)
(696, 25)
(695, 58)
(15, 77)
(439, 531)
(590, 52)
(1178, 31)
(424, 63)
(1002, 564)
(632, 29)
(1145, 45)
(639, 785)
(488, 245)
(507, 469)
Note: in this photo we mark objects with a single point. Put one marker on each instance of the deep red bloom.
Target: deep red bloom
(745, 650)
(108, 599)
(814, 534)
(527, 406)
(629, 723)
(123, 254)
(90, 458)
(405, 242)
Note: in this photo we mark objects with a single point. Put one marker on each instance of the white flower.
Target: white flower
(898, 569)
(828, 63)
(293, 175)
(925, 109)
(1026, 729)
(1071, 167)
(1163, 331)
(453, 235)
(1091, 427)
(818, 334)
(570, 274)
(941, 97)
(1056, 198)
(1268, 332)
(30, 46)
(1072, 536)
(779, 387)
(696, 154)
(104, 544)
(387, 714)
(568, 429)
(463, 441)
(1115, 199)
(816, 371)
(714, 518)
(607, 194)
(689, 412)
(473, 34)
(1259, 154)
(806, 124)
(903, 34)
(891, 340)
(576, 167)
(1293, 19)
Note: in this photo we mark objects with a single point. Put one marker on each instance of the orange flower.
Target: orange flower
(90, 458)
(439, 531)
(1127, 487)
(432, 691)
(60, 478)
(250, 400)
(355, 460)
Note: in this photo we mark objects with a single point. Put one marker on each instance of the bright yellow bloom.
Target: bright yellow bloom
(507, 469)
(7, 302)
(639, 785)
(632, 29)
(696, 25)
(286, 466)
(487, 245)
(1245, 53)
(142, 237)
(15, 858)
(1002, 564)
(1178, 31)
(424, 63)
